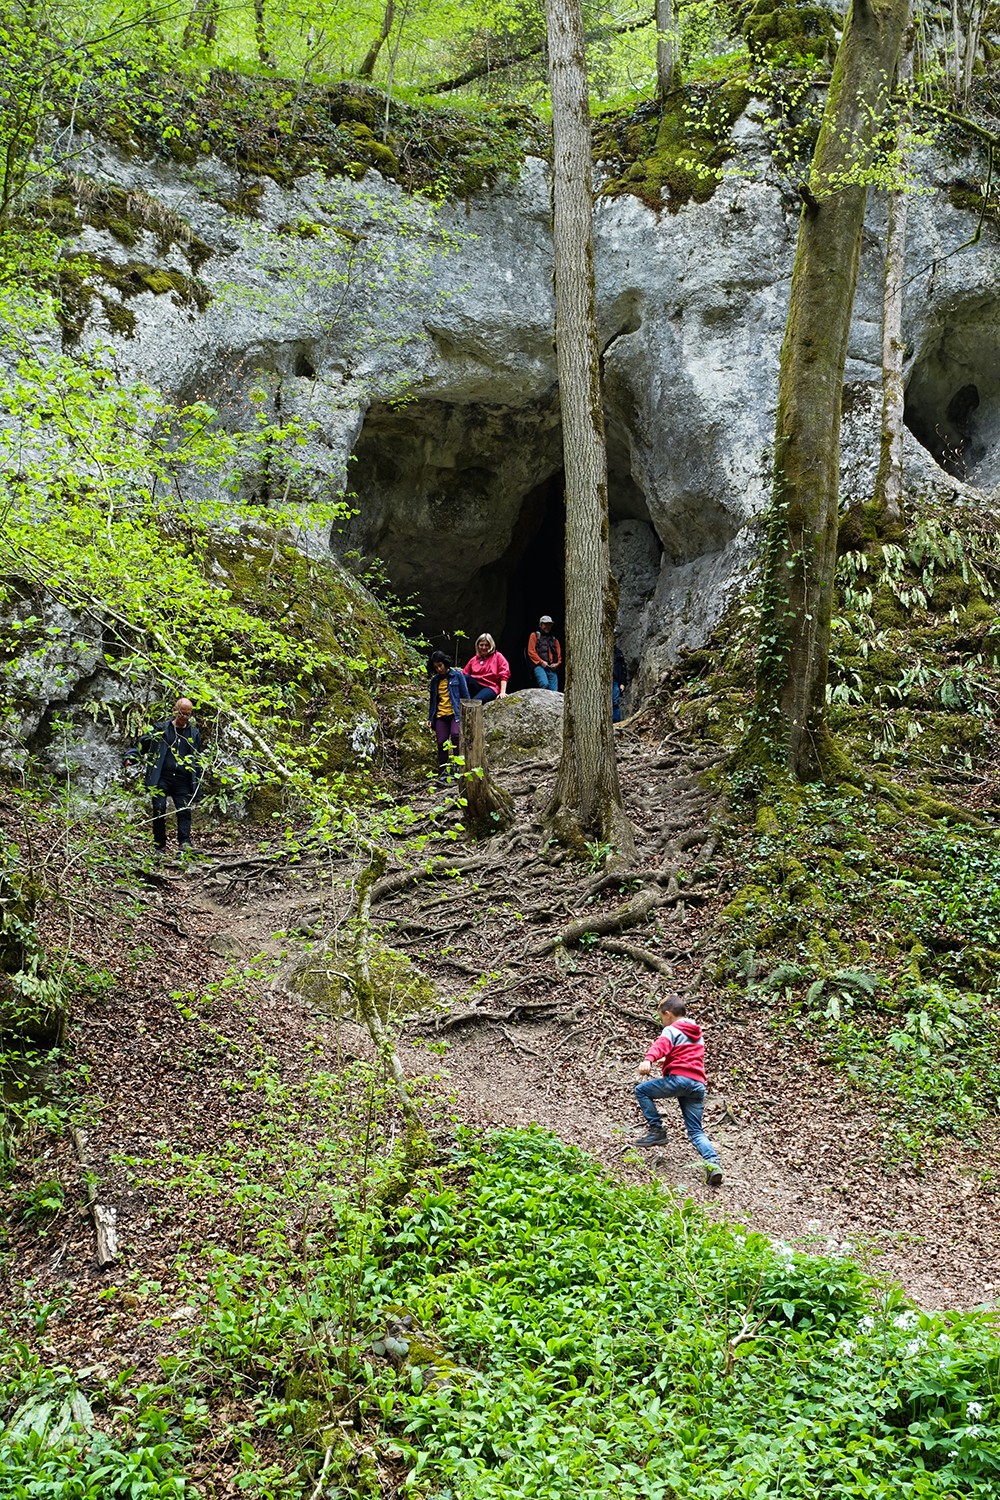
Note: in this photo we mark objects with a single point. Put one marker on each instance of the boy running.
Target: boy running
(680, 1051)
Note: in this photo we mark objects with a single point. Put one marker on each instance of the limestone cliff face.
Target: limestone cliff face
(419, 346)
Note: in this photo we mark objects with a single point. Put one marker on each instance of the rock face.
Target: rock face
(340, 300)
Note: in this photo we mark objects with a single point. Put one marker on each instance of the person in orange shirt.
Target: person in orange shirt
(545, 654)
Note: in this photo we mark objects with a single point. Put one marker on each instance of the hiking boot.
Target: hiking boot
(652, 1138)
(713, 1174)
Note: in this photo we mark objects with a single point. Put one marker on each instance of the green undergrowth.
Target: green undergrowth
(880, 883)
(879, 938)
(518, 1325)
(914, 680)
(280, 129)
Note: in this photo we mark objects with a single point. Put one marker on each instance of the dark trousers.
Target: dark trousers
(179, 790)
(445, 730)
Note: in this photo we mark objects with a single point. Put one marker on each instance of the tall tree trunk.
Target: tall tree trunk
(666, 48)
(790, 723)
(889, 480)
(367, 68)
(587, 803)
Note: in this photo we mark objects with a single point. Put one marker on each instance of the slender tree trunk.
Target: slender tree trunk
(790, 723)
(666, 48)
(587, 804)
(889, 481)
(260, 34)
(367, 68)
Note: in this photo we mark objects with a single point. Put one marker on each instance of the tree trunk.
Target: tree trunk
(488, 808)
(587, 803)
(889, 481)
(260, 34)
(790, 723)
(367, 68)
(666, 48)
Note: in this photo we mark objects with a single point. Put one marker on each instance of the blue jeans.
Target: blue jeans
(616, 703)
(483, 695)
(547, 677)
(690, 1095)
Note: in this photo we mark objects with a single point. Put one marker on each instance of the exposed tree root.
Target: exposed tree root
(435, 869)
(643, 956)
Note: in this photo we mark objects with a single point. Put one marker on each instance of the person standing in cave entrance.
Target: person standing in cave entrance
(545, 654)
(448, 687)
(488, 671)
(619, 682)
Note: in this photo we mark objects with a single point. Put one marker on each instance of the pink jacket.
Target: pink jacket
(680, 1050)
(489, 670)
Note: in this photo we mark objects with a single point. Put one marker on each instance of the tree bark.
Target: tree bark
(889, 480)
(587, 803)
(367, 67)
(790, 725)
(260, 34)
(488, 808)
(666, 48)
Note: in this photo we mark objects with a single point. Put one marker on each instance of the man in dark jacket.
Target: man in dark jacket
(170, 754)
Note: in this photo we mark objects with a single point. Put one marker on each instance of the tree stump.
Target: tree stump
(488, 808)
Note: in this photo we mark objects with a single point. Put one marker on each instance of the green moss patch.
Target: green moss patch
(82, 278)
(672, 155)
(327, 978)
(789, 33)
(272, 128)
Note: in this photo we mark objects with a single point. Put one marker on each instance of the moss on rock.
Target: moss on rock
(674, 155)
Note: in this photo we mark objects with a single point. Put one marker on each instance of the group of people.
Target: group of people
(170, 753)
(484, 677)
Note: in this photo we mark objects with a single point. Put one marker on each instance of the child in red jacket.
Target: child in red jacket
(680, 1051)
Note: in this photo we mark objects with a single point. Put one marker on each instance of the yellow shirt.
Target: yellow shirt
(445, 710)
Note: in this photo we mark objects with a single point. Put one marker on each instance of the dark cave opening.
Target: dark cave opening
(532, 577)
(948, 434)
(465, 507)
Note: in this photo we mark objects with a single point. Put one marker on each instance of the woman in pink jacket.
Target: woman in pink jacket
(488, 671)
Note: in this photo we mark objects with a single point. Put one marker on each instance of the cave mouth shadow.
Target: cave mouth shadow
(465, 507)
(952, 404)
(530, 578)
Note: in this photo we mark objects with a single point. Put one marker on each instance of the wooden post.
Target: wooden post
(488, 808)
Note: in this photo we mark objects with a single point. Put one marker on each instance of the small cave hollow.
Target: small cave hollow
(953, 398)
(465, 508)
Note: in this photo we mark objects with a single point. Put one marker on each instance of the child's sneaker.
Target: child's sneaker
(713, 1174)
(652, 1138)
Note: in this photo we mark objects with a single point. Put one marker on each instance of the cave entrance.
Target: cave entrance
(953, 394)
(464, 505)
(536, 582)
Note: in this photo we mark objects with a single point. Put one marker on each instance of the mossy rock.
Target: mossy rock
(682, 162)
(789, 33)
(325, 978)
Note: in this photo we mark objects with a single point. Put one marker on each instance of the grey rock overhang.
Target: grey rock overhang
(454, 313)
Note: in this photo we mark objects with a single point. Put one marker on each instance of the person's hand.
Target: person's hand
(644, 1069)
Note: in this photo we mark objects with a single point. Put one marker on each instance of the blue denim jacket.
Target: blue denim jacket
(458, 688)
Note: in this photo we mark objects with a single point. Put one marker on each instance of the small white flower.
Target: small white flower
(908, 1319)
(866, 1324)
(974, 1410)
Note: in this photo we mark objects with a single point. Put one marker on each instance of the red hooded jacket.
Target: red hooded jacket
(680, 1050)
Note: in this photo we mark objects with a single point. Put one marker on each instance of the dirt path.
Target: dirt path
(554, 1040)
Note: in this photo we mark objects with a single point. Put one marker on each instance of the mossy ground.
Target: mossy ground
(270, 128)
(865, 914)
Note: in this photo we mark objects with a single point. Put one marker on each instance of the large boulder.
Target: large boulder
(523, 725)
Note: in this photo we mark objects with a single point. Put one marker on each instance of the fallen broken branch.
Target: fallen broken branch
(105, 1218)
